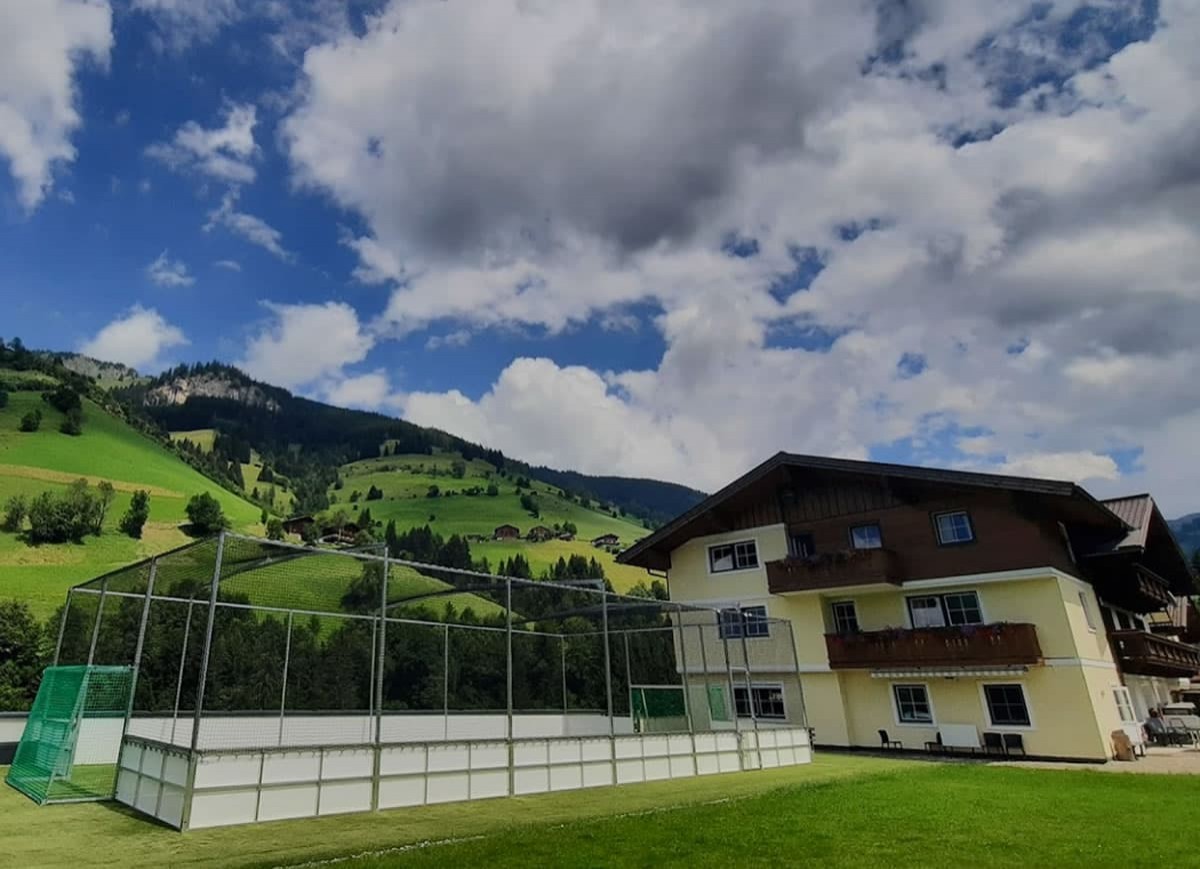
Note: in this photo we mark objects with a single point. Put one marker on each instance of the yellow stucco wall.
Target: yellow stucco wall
(1059, 700)
(690, 580)
(1070, 698)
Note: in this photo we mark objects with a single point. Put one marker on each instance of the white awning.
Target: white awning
(948, 672)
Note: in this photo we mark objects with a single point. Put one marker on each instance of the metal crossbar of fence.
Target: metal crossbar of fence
(242, 644)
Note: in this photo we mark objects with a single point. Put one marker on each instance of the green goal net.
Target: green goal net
(69, 749)
(658, 707)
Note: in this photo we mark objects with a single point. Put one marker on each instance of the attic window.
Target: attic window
(725, 557)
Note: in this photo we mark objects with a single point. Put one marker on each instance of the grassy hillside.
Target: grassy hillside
(406, 479)
(108, 449)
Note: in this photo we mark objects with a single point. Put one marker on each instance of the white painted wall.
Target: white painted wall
(263, 731)
(247, 786)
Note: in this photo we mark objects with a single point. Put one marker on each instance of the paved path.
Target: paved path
(1178, 761)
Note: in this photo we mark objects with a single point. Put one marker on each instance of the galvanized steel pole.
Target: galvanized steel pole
(187, 626)
(96, 625)
(208, 635)
(62, 627)
(745, 628)
(287, 660)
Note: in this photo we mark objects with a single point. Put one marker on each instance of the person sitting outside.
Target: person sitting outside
(1160, 733)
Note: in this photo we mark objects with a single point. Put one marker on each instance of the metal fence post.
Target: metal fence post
(62, 627)
(677, 629)
(508, 730)
(629, 679)
(96, 626)
(377, 681)
(749, 682)
(446, 682)
(562, 650)
(380, 663)
(187, 626)
(704, 670)
(799, 682)
(732, 690)
(612, 735)
(287, 660)
(208, 635)
(137, 666)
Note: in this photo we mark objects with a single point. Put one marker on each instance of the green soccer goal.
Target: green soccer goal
(68, 752)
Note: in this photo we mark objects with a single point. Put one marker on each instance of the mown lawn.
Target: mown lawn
(932, 815)
(104, 834)
(108, 449)
(838, 811)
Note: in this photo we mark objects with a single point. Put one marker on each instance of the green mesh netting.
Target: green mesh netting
(69, 749)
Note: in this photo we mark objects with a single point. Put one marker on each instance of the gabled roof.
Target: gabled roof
(1151, 540)
(676, 532)
(1136, 510)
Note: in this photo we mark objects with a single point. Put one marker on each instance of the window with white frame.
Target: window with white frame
(1124, 705)
(1087, 611)
(954, 527)
(750, 621)
(768, 701)
(845, 617)
(866, 537)
(732, 556)
(1006, 705)
(939, 610)
(912, 704)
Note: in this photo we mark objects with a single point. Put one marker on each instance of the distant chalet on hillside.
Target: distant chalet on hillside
(298, 524)
(566, 535)
(506, 532)
(539, 533)
(606, 540)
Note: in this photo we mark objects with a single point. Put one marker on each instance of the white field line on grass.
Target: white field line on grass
(434, 843)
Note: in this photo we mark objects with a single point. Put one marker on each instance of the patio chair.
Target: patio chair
(1177, 726)
(936, 745)
(885, 742)
(1014, 742)
(993, 742)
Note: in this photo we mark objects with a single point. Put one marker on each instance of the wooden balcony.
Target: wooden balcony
(995, 645)
(1144, 654)
(833, 570)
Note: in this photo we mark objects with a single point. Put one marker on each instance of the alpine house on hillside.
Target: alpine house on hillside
(940, 608)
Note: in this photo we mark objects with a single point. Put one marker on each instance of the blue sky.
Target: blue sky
(667, 242)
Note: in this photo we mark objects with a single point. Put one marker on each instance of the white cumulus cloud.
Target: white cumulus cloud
(250, 227)
(304, 343)
(224, 153)
(43, 45)
(137, 338)
(167, 272)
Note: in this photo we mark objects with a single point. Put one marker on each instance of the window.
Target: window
(926, 612)
(802, 545)
(732, 556)
(845, 617)
(751, 619)
(954, 608)
(1006, 705)
(768, 701)
(954, 527)
(866, 537)
(1087, 611)
(912, 704)
(962, 608)
(1124, 704)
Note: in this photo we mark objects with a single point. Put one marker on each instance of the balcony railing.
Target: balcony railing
(1002, 644)
(833, 570)
(1144, 654)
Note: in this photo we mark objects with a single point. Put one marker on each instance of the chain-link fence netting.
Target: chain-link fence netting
(299, 646)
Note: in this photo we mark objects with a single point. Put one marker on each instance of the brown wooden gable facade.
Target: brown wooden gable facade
(1017, 523)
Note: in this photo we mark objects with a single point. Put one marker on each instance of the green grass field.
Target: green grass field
(108, 449)
(838, 811)
(406, 479)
